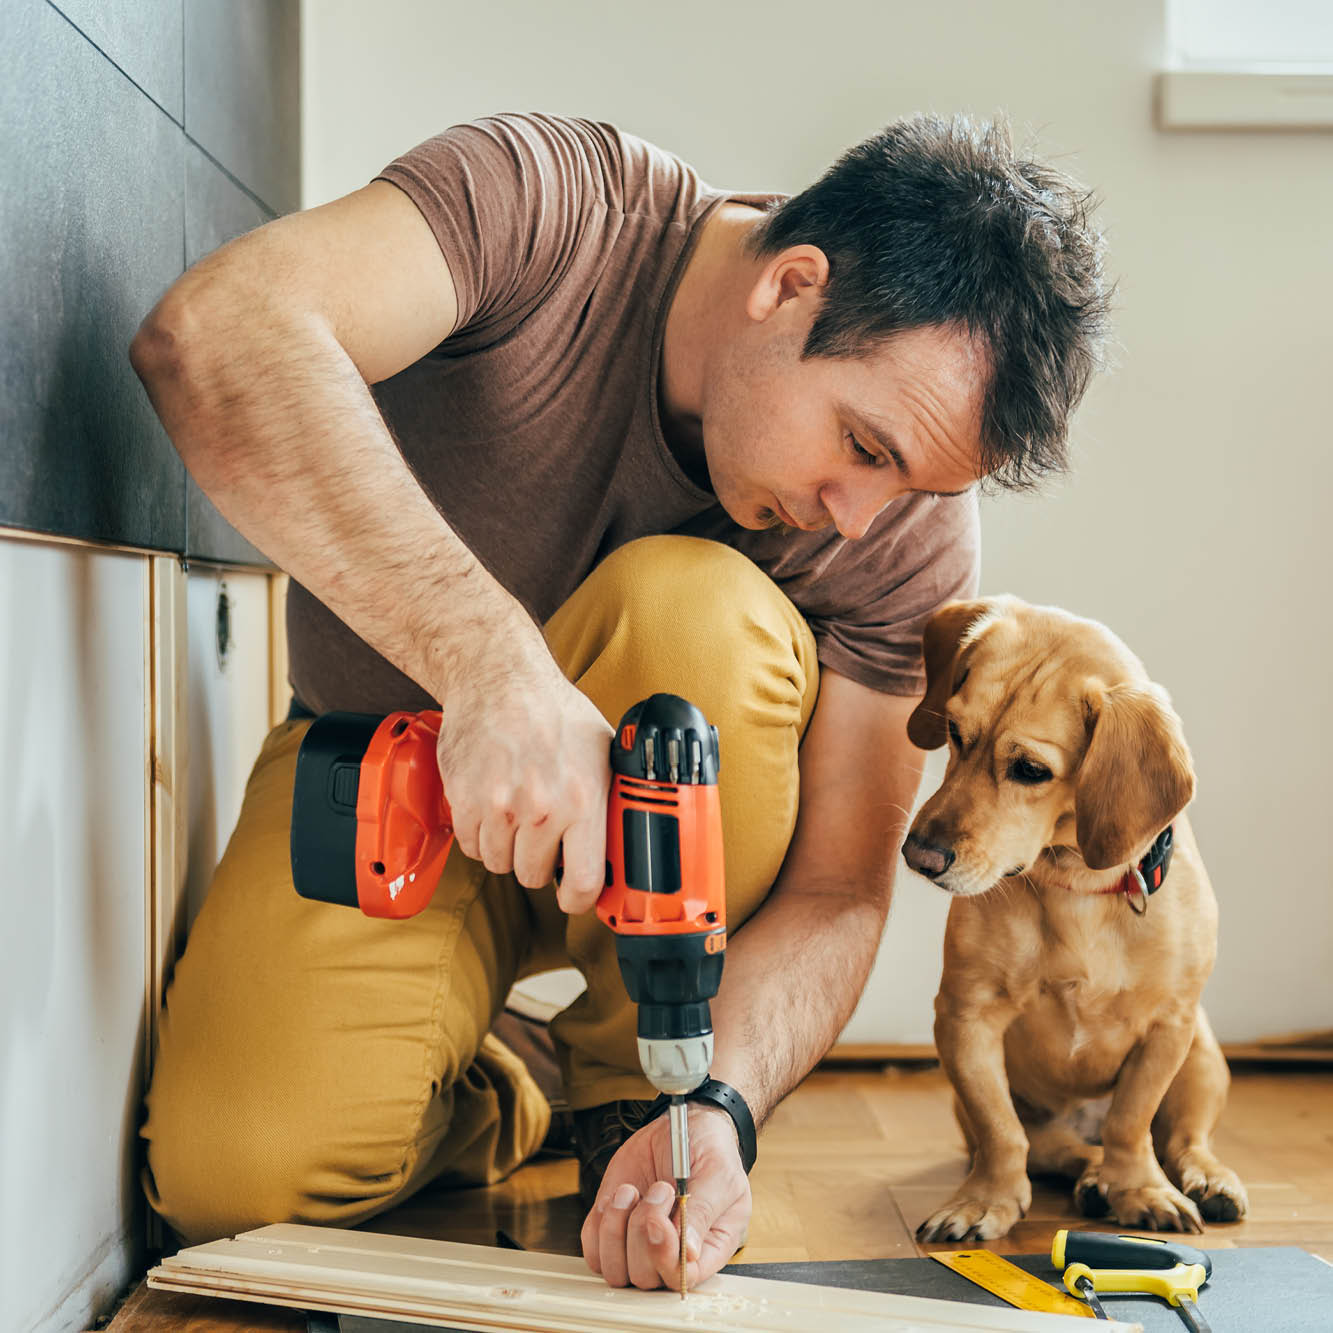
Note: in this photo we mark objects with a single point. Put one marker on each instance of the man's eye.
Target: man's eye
(864, 455)
(1025, 771)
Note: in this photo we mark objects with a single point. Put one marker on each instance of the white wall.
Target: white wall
(1194, 524)
(72, 828)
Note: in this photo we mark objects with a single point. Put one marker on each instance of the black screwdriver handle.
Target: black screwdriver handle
(1099, 1250)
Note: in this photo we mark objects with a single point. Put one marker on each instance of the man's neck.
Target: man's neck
(713, 286)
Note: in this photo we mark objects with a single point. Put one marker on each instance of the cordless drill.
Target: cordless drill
(371, 828)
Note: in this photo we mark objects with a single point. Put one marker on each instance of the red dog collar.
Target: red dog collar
(1146, 877)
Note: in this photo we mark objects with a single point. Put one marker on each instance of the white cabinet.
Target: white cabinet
(89, 890)
(228, 708)
(73, 821)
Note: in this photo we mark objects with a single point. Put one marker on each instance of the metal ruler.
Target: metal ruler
(1010, 1283)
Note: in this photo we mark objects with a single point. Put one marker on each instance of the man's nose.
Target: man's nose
(853, 513)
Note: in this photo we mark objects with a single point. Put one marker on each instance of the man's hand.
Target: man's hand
(630, 1235)
(525, 759)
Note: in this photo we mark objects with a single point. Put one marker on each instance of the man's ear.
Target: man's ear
(926, 728)
(1136, 775)
(797, 270)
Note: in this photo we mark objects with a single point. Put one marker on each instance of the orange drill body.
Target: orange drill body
(697, 900)
(368, 800)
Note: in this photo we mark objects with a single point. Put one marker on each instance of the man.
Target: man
(538, 374)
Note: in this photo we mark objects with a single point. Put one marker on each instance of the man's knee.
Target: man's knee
(692, 603)
(231, 1166)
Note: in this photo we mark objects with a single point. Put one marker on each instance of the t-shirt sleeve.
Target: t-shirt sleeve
(507, 199)
(869, 615)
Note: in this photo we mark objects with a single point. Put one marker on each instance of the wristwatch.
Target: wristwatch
(713, 1092)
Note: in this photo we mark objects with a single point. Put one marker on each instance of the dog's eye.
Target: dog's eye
(955, 735)
(1024, 770)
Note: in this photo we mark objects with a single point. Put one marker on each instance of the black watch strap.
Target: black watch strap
(713, 1092)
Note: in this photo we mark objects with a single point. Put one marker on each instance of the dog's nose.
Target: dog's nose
(925, 857)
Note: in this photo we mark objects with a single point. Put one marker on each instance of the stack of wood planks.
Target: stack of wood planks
(480, 1289)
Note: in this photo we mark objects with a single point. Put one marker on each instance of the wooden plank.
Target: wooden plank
(479, 1289)
(279, 691)
(168, 775)
(166, 672)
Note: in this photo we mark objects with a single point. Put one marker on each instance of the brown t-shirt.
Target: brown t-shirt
(534, 428)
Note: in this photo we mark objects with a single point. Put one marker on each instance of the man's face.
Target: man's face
(787, 439)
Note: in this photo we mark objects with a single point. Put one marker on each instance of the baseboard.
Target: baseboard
(1293, 1048)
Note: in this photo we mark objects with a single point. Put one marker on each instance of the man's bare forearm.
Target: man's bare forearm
(792, 977)
(277, 426)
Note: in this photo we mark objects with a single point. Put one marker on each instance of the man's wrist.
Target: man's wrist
(713, 1093)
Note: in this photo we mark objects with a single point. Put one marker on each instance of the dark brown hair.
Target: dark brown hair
(936, 221)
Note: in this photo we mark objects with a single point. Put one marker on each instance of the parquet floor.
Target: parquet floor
(848, 1166)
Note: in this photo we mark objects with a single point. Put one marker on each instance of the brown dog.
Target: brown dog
(1064, 981)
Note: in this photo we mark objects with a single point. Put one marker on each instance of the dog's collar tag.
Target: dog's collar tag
(1139, 882)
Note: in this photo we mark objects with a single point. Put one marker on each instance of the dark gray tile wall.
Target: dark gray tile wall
(105, 198)
(143, 37)
(242, 99)
(92, 216)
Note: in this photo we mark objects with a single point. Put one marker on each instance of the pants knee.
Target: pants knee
(217, 1179)
(704, 615)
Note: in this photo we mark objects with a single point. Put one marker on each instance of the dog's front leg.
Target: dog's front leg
(997, 1191)
(1129, 1181)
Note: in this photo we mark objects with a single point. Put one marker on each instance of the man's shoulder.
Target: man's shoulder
(624, 171)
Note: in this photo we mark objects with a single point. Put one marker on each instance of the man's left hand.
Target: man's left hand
(630, 1235)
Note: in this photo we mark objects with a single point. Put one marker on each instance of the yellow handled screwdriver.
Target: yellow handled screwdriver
(1142, 1265)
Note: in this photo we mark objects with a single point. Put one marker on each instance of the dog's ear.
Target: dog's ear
(1136, 775)
(939, 646)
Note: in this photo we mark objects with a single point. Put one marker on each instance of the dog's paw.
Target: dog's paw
(977, 1214)
(1090, 1194)
(1151, 1204)
(1215, 1188)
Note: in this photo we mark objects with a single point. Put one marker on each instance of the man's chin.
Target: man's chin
(746, 514)
(756, 517)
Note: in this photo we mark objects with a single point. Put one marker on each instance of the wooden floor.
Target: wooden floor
(848, 1166)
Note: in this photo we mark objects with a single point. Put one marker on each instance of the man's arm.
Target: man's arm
(792, 978)
(257, 361)
(795, 971)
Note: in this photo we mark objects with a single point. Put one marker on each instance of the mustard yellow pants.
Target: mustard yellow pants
(319, 1066)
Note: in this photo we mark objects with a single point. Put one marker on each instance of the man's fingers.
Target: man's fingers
(588, 1239)
(495, 844)
(611, 1232)
(584, 874)
(652, 1240)
(716, 1247)
(535, 849)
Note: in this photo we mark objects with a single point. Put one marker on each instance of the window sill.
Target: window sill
(1243, 100)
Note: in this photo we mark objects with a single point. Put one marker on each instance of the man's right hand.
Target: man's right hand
(525, 759)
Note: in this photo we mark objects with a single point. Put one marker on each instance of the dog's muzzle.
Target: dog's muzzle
(925, 857)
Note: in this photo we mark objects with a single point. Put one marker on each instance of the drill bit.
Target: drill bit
(682, 1199)
(680, 1167)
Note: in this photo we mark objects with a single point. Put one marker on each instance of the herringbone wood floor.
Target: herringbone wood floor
(848, 1166)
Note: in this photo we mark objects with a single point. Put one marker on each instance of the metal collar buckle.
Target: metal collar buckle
(1136, 895)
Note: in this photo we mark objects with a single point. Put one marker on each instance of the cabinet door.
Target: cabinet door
(73, 877)
(228, 708)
